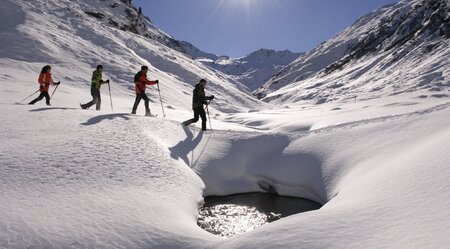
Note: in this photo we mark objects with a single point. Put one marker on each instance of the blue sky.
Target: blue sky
(239, 27)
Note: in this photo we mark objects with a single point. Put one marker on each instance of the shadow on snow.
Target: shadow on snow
(100, 118)
(52, 108)
(188, 145)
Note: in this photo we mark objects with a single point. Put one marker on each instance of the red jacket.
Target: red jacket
(142, 82)
(45, 79)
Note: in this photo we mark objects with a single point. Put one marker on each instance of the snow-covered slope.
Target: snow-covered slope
(73, 178)
(60, 33)
(396, 49)
(254, 69)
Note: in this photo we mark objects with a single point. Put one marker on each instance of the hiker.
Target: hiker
(96, 83)
(45, 80)
(198, 100)
(141, 81)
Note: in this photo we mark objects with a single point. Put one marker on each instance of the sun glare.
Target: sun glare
(238, 4)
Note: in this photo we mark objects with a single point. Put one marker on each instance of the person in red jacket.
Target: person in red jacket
(141, 81)
(45, 80)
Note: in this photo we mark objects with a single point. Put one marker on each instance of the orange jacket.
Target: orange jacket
(142, 83)
(45, 79)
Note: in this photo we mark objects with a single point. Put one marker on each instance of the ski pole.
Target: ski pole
(54, 91)
(29, 96)
(207, 111)
(160, 99)
(110, 97)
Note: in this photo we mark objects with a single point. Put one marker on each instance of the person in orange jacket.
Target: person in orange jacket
(141, 81)
(45, 80)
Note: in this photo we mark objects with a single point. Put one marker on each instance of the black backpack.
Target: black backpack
(136, 76)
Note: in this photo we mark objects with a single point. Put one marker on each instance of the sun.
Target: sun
(238, 4)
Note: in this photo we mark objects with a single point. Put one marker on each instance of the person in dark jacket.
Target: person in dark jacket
(96, 83)
(44, 80)
(198, 100)
(141, 81)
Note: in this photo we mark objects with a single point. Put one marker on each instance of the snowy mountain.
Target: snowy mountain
(254, 69)
(196, 53)
(396, 49)
(74, 36)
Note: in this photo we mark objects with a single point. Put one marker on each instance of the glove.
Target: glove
(41, 87)
(212, 97)
(57, 83)
(107, 81)
(157, 81)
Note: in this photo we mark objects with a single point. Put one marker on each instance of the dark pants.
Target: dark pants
(198, 112)
(96, 99)
(140, 96)
(41, 96)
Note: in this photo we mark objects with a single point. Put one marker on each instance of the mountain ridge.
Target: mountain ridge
(253, 69)
(372, 58)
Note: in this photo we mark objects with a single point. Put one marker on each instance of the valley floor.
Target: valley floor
(72, 178)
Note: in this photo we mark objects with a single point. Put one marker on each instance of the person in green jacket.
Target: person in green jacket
(96, 83)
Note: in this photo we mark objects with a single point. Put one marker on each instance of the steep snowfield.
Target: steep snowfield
(61, 34)
(396, 49)
(73, 178)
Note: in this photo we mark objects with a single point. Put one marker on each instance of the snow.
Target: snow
(254, 69)
(73, 178)
(396, 49)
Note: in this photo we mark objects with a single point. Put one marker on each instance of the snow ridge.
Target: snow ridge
(395, 49)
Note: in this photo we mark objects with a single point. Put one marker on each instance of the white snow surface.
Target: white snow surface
(395, 49)
(73, 178)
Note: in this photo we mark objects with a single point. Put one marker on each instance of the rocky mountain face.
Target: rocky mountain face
(396, 49)
(132, 19)
(254, 69)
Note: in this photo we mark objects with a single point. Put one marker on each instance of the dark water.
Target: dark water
(231, 215)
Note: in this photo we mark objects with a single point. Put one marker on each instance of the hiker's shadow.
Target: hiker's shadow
(52, 108)
(98, 119)
(183, 148)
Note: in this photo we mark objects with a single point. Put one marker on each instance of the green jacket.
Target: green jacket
(96, 79)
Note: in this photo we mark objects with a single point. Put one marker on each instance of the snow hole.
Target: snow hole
(232, 215)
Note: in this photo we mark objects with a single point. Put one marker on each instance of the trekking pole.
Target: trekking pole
(110, 98)
(160, 99)
(207, 112)
(54, 91)
(29, 96)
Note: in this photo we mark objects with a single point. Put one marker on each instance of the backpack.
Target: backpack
(136, 76)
